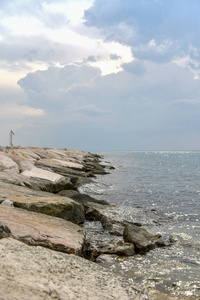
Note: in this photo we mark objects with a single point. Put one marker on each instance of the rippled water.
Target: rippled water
(162, 190)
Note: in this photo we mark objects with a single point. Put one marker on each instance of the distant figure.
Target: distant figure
(11, 134)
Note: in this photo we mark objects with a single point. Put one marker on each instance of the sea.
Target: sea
(161, 190)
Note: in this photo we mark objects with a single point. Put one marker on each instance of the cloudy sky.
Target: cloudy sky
(100, 74)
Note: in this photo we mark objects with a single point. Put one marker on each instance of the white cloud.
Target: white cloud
(35, 38)
(147, 97)
(74, 10)
(12, 110)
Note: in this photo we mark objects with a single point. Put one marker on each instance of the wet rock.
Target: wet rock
(118, 247)
(107, 259)
(37, 273)
(81, 198)
(93, 213)
(78, 181)
(41, 230)
(111, 168)
(165, 241)
(95, 167)
(140, 238)
(112, 226)
(114, 246)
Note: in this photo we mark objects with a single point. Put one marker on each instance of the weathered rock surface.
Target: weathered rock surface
(112, 226)
(81, 198)
(38, 229)
(54, 275)
(43, 202)
(115, 246)
(64, 168)
(140, 238)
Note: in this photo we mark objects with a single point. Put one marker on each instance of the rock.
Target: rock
(115, 246)
(47, 185)
(56, 206)
(165, 241)
(7, 163)
(95, 167)
(42, 174)
(41, 230)
(112, 226)
(37, 273)
(37, 182)
(61, 167)
(81, 198)
(107, 259)
(78, 181)
(70, 193)
(140, 238)
(43, 202)
(58, 186)
(111, 168)
(7, 203)
(92, 213)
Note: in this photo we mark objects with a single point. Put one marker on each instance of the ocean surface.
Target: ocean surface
(160, 189)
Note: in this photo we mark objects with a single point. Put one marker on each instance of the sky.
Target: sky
(100, 74)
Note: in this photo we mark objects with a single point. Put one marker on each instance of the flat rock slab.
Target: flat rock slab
(38, 229)
(60, 207)
(44, 174)
(37, 273)
(43, 202)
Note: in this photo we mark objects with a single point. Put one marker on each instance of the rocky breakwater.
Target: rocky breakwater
(40, 206)
(42, 237)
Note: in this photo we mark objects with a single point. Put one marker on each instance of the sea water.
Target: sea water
(160, 189)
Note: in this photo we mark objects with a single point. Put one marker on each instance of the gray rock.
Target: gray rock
(140, 238)
(165, 241)
(92, 213)
(38, 229)
(95, 167)
(115, 246)
(107, 259)
(81, 198)
(37, 273)
(48, 164)
(7, 203)
(112, 226)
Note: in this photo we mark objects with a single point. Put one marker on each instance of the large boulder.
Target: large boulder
(42, 174)
(42, 202)
(37, 273)
(60, 207)
(38, 229)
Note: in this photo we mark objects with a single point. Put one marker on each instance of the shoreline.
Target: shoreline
(41, 185)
